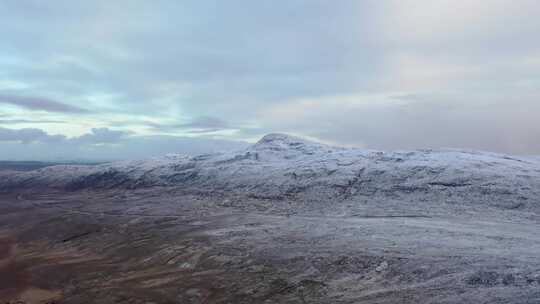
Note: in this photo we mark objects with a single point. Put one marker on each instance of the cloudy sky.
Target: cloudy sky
(115, 79)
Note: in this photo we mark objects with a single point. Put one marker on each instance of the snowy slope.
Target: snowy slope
(282, 168)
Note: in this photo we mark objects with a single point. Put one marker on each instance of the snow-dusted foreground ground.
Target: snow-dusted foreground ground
(285, 221)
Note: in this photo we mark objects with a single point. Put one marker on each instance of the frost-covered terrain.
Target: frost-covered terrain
(281, 167)
(289, 221)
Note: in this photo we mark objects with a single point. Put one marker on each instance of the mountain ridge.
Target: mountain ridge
(283, 167)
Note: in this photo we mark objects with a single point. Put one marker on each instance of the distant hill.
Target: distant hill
(34, 165)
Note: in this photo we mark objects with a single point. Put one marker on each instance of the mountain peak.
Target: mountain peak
(275, 138)
(287, 146)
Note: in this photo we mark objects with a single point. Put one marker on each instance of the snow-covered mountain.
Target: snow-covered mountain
(284, 168)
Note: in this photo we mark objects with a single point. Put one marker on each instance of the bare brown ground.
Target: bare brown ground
(17, 284)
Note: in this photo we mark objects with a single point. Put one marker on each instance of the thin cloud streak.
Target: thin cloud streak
(30, 121)
(41, 104)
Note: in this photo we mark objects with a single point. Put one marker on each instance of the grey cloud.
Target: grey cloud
(27, 135)
(202, 131)
(101, 136)
(231, 60)
(202, 124)
(193, 59)
(39, 103)
(40, 146)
